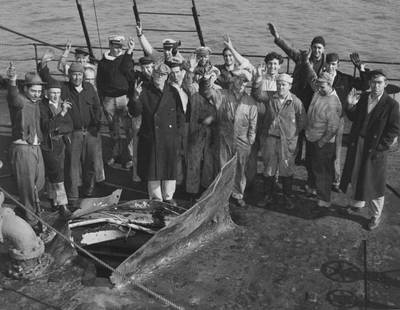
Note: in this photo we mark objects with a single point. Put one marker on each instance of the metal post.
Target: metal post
(365, 275)
(197, 23)
(136, 13)
(36, 56)
(85, 32)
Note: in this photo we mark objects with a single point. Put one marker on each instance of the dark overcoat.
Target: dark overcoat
(383, 127)
(159, 132)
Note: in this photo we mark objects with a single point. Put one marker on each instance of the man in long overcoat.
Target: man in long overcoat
(158, 134)
(376, 123)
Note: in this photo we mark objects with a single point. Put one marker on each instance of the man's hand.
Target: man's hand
(208, 120)
(259, 72)
(355, 59)
(138, 88)
(12, 72)
(65, 106)
(67, 49)
(353, 97)
(131, 45)
(139, 30)
(273, 30)
(193, 62)
(227, 41)
(48, 56)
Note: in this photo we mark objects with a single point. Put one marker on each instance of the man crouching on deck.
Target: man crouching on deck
(26, 155)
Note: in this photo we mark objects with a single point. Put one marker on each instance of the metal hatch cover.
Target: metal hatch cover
(206, 220)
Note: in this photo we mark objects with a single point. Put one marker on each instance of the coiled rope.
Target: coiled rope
(96, 259)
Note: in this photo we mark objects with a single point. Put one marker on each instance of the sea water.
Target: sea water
(370, 27)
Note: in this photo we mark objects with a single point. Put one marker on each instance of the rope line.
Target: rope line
(96, 259)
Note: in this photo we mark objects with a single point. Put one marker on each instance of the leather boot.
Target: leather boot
(287, 184)
(64, 212)
(269, 186)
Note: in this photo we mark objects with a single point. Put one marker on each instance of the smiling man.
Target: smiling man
(376, 123)
(323, 120)
(237, 121)
(283, 117)
(26, 155)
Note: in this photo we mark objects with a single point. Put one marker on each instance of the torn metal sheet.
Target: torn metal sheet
(206, 220)
(90, 205)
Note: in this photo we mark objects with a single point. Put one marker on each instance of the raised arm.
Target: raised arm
(256, 91)
(62, 63)
(144, 43)
(360, 83)
(240, 60)
(12, 95)
(292, 53)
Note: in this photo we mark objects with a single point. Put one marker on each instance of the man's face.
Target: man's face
(177, 75)
(159, 79)
(202, 59)
(283, 88)
(378, 84)
(332, 66)
(54, 94)
(76, 78)
(324, 88)
(147, 69)
(239, 83)
(89, 77)
(228, 58)
(273, 66)
(33, 92)
(167, 53)
(83, 59)
(115, 49)
(317, 49)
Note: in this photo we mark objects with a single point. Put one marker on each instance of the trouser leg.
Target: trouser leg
(75, 167)
(193, 173)
(323, 169)
(28, 168)
(240, 178)
(376, 206)
(154, 190)
(168, 189)
(338, 156)
(308, 163)
(88, 161)
(136, 121)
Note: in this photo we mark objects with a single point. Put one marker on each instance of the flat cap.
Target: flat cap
(145, 60)
(203, 51)
(325, 77)
(161, 68)
(285, 77)
(53, 83)
(76, 67)
(33, 78)
(116, 39)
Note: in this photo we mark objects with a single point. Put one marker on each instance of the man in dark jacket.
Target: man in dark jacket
(158, 134)
(376, 124)
(113, 86)
(25, 153)
(56, 125)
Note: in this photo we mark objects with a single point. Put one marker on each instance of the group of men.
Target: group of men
(183, 119)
